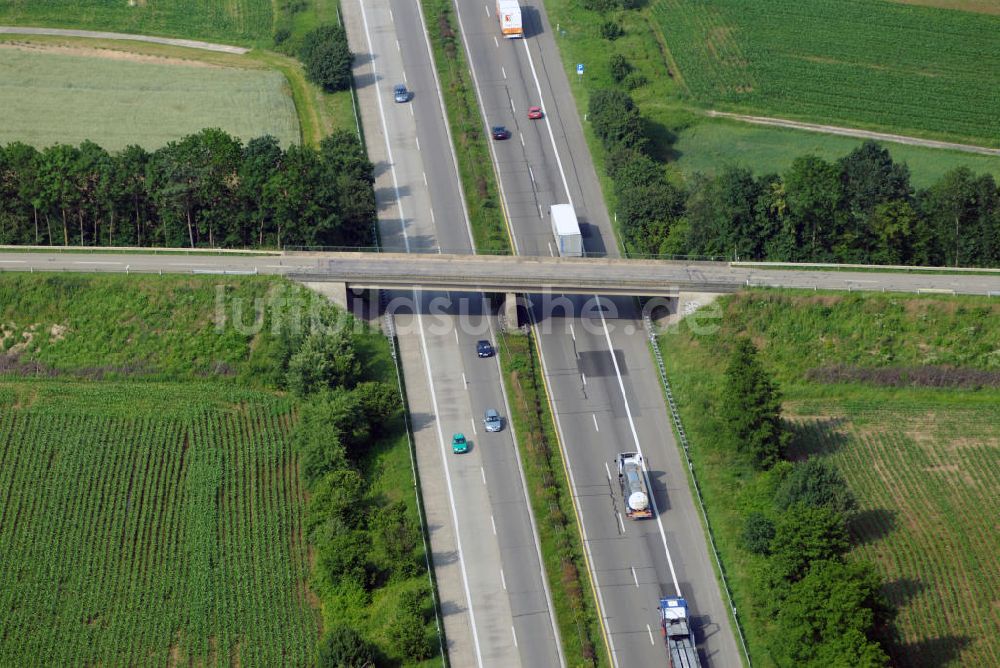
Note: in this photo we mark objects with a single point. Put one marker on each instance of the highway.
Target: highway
(494, 600)
(601, 379)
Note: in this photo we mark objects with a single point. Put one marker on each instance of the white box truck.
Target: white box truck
(566, 230)
(509, 16)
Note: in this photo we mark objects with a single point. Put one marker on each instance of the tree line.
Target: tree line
(823, 609)
(204, 190)
(861, 208)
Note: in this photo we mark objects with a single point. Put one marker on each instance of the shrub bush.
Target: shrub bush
(619, 66)
(611, 30)
(343, 647)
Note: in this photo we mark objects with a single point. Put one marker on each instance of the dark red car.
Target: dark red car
(534, 113)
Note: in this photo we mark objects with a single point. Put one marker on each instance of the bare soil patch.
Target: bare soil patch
(975, 6)
(107, 54)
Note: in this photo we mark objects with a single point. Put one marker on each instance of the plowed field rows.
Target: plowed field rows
(155, 530)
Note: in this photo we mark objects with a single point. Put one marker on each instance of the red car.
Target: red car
(534, 112)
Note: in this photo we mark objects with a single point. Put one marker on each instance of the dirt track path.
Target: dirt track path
(190, 43)
(853, 132)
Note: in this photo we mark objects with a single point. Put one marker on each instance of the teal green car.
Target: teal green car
(458, 444)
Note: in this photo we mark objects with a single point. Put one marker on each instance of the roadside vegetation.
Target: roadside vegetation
(475, 165)
(232, 449)
(678, 138)
(206, 190)
(548, 488)
(888, 410)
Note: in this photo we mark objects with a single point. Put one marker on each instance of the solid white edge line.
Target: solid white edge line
(531, 511)
(552, 137)
(583, 529)
(388, 146)
(447, 127)
(417, 297)
(486, 124)
(638, 447)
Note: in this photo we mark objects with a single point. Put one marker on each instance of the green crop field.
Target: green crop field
(150, 525)
(924, 462)
(66, 95)
(231, 21)
(872, 63)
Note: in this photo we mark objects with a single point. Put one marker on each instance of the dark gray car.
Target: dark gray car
(400, 94)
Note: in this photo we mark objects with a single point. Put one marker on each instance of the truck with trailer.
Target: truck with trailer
(677, 633)
(635, 491)
(509, 16)
(566, 230)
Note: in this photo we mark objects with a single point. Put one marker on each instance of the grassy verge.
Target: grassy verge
(921, 460)
(475, 165)
(548, 489)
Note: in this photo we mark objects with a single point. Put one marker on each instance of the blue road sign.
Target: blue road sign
(579, 68)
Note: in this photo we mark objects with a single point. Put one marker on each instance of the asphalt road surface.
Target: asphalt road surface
(493, 597)
(605, 392)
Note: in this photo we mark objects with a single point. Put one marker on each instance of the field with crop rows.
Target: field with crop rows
(115, 99)
(150, 524)
(233, 21)
(897, 67)
(926, 477)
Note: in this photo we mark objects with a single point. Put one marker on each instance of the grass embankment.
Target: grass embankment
(149, 456)
(878, 385)
(475, 165)
(680, 133)
(551, 501)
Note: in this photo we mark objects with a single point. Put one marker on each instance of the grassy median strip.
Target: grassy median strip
(475, 166)
(548, 489)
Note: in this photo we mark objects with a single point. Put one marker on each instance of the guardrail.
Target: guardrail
(682, 437)
(832, 266)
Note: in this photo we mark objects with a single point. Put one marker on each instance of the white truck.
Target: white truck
(632, 479)
(566, 230)
(677, 633)
(509, 16)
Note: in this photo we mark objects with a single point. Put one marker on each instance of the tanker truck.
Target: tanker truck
(635, 491)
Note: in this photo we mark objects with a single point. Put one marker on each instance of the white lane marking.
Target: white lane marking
(638, 447)
(608, 470)
(95, 262)
(447, 473)
(425, 179)
(447, 127)
(12, 261)
(572, 332)
(456, 336)
(496, 41)
(522, 138)
(552, 137)
(540, 214)
(481, 469)
(432, 216)
(857, 280)
(493, 522)
(464, 381)
(651, 641)
(513, 110)
(476, 433)
(584, 377)
(531, 174)
(397, 46)
(635, 577)
(391, 18)
(583, 528)
(504, 71)
(551, 252)
(411, 111)
(620, 523)
(395, 181)
(503, 580)
(418, 142)
(404, 77)
(487, 9)
(594, 415)
(513, 633)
